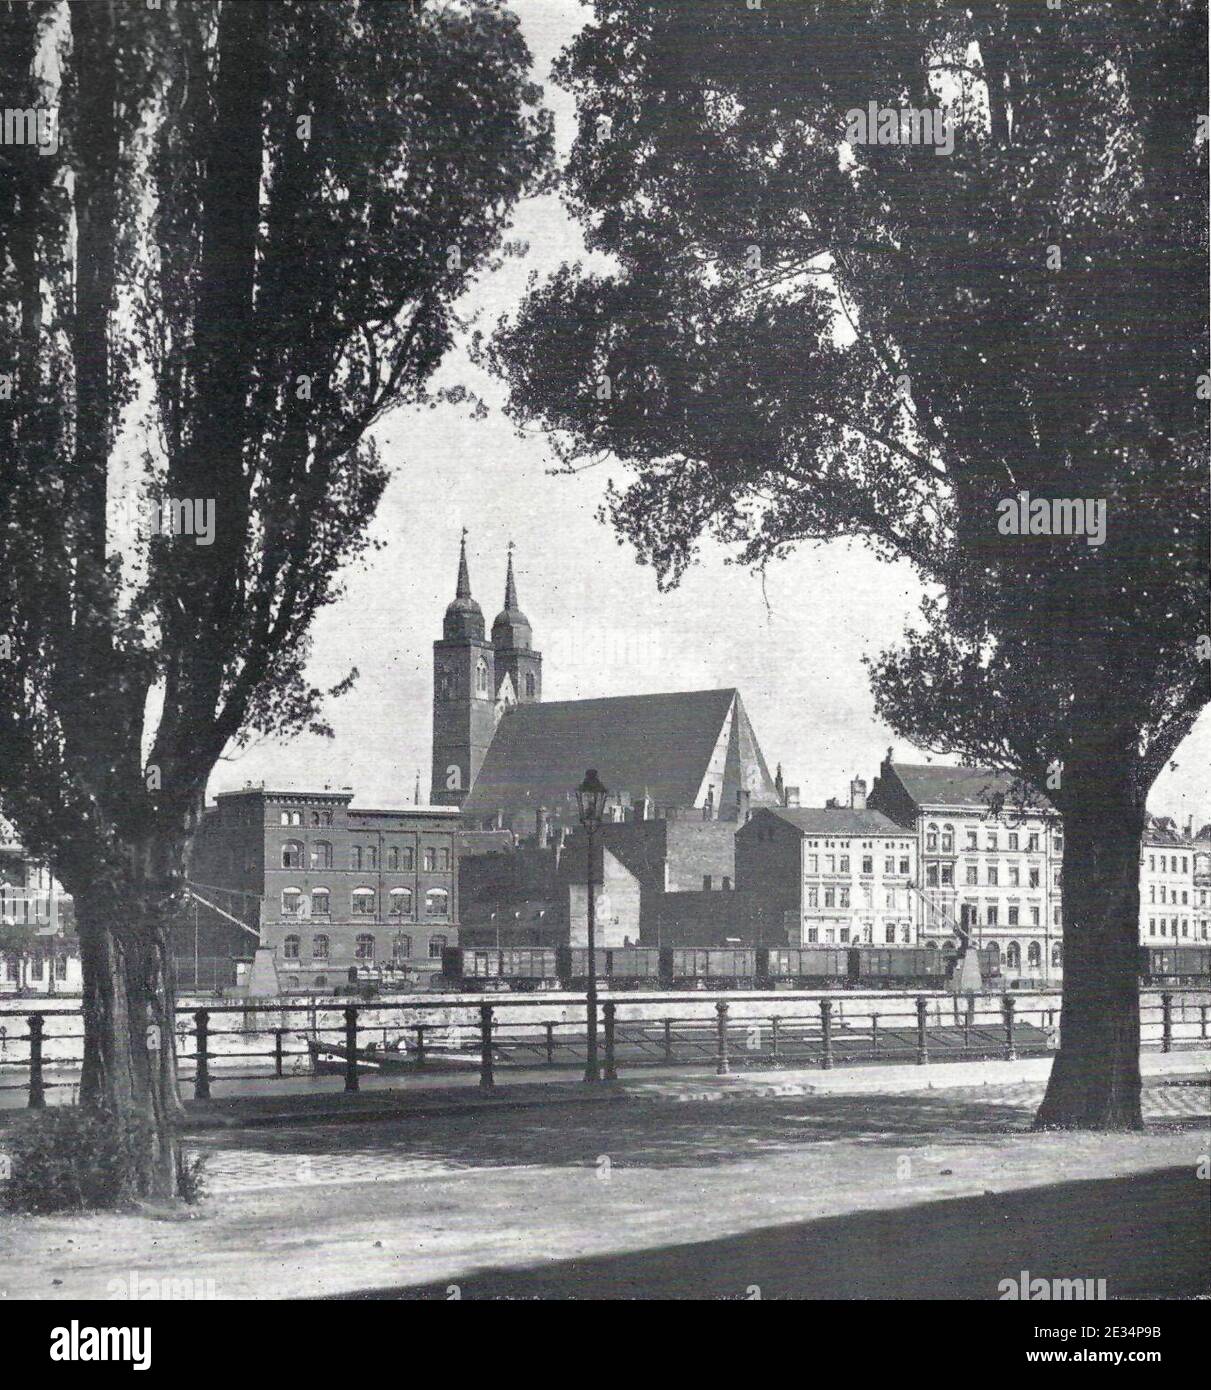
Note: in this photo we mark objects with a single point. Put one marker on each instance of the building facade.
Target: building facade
(1175, 886)
(328, 885)
(39, 952)
(837, 875)
(978, 848)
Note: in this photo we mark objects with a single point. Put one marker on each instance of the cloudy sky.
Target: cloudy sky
(792, 643)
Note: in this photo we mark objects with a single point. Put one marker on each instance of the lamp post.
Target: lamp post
(591, 799)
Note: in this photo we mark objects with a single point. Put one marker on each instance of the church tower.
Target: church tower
(518, 666)
(464, 694)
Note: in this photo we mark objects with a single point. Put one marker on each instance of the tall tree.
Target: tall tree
(244, 245)
(826, 318)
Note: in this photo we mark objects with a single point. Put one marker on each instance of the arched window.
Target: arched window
(1013, 956)
(393, 857)
(321, 855)
(1057, 955)
(355, 857)
(321, 902)
(437, 903)
(481, 677)
(931, 838)
(290, 948)
(326, 818)
(292, 982)
(931, 945)
(531, 685)
(319, 948)
(363, 902)
(994, 949)
(948, 839)
(401, 946)
(364, 947)
(292, 855)
(315, 818)
(321, 982)
(1034, 955)
(292, 902)
(371, 857)
(401, 902)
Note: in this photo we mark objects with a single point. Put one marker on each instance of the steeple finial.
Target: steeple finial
(464, 579)
(510, 584)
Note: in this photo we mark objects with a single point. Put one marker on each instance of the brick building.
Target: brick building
(977, 848)
(835, 874)
(328, 885)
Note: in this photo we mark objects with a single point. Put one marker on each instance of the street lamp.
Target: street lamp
(591, 799)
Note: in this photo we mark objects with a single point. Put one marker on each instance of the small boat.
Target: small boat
(330, 1057)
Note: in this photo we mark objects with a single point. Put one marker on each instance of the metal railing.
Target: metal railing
(788, 1030)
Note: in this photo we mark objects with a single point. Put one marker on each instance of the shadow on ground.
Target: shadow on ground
(650, 1134)
(1146, 1235)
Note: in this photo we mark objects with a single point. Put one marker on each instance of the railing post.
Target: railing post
(37, 1092)
(420, 1044)
(1166, 1022)
(773, 1051)
(826, 1029)
(721, 1066)
(351, 1082)
(1008, 1007)
(201, 1074)
(668, 1039)
(277, 1052)
(1202, 1026)
(874, 1034)
(608, 1008)
(922, 1031)
(550, 1044)
(486, 1077)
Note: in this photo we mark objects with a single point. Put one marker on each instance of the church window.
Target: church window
(531, 685)
(481, 677)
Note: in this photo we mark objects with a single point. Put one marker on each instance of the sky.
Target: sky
(791, 641)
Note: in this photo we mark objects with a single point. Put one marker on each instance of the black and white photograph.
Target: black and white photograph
(605, 651)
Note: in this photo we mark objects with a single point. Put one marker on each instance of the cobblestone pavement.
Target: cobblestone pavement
(310, 1155)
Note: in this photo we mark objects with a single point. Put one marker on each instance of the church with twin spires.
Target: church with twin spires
(512, 762)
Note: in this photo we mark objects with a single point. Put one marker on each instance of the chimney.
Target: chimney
(1189, 827)
(540, 827)
(857, 794)
(791, 797)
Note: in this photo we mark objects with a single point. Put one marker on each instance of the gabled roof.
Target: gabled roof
(933, 785)
(662, 746)
(836, 820)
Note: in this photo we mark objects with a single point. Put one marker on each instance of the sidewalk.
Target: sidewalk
(667, 1085)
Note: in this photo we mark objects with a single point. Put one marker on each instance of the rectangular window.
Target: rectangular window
(948, 875)
(1033, 845)
(889, 866)
(1015, 876)
(844, 934)
(973, 840)
(992, 916)
(992, 839)
(830, 897)
(1034, 878)
(889, 935)
(868, 864)
(845, 863)
(844, 898)
(1034, 917)
(813, 896)
(437, 944)
(904, 865)
(430, 860)
(830, 863)
(813, 863)
(931, 875)
(993, 875)
(1013, 916)
(1013, 839)
(443, 859)
(973, 875)
(813, 934)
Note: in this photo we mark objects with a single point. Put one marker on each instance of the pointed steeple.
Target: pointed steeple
(510, 584)
(511, 630)
(464, 578)
(464, 617)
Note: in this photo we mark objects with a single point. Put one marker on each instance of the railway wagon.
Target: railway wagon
(874, 967)
(511, 967)
(634, 967)
(572, 965)
(803, 967)
(709, 967)
(1175, 965)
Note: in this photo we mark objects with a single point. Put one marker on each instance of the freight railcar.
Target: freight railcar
(802, 967)
(511, 967)
(709, 967)
(894, 967)
(1175, 965)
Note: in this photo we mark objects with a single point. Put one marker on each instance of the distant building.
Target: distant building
(976, 848)
(1175, 885)
(39, 952)
(328, 885)
(835, 874)
(513, 763)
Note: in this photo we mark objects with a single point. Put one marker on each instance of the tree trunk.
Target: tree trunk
(1095, 1079)
(129, 1038)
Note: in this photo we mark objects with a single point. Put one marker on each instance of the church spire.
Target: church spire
(511, 603)
(464, 579)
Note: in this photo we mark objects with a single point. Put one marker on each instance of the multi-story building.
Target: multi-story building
(982, 847)
(328, 885)
(1175, 885)
(39, 953)
(836, 874)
